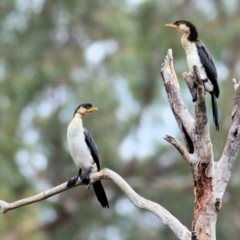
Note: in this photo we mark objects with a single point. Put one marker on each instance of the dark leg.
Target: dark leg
(195, 95)
(194, 235)
(72, 181)
(86, 176)
(194, 98)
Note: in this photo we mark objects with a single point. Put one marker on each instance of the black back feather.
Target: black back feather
(92, 147)
(209, 66)
(97, 186)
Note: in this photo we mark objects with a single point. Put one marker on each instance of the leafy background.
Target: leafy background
(55, 55)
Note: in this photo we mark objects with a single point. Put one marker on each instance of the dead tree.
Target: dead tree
(210, 177)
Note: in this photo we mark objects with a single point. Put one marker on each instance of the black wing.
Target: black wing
(92, 147)
(209, 66)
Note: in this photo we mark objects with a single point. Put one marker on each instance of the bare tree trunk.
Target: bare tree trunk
(210, 177)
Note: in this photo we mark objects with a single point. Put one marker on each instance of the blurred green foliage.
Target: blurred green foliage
(55, 55)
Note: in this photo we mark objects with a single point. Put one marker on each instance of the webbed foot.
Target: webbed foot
(86, 176)
(72, 181)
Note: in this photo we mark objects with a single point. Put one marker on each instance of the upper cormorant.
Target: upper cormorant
(198, 54)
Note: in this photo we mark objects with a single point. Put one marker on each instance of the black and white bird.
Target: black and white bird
(198, 54)
(84, 151)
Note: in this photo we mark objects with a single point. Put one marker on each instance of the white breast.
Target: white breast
(78, 148)
(193, 57)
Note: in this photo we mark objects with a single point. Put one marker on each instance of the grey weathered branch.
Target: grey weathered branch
(225, 165)
(177, 227)
(189, 80)
(184, 119)
(200, 106)
(182, 150)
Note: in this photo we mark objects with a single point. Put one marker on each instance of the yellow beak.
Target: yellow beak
(171, 25)
(92, 109)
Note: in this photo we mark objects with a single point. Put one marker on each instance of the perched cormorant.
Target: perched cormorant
(84, 151)
(198, 54)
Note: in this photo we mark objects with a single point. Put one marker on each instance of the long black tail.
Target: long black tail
(215, 111)
(100, 193)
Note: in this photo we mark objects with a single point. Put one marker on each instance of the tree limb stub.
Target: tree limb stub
(177, 227)
(182, 150)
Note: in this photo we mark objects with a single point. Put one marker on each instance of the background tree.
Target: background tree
(55, 55)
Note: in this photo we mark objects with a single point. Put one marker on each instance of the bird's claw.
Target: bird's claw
(194, 98)
(72, 181)
(85, 178)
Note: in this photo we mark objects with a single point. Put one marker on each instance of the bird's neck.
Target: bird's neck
(192, 36)
(77, 120)
(185, 41)
(78, 115)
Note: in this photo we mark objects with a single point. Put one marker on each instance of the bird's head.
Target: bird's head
(185, 27)
(84, 109)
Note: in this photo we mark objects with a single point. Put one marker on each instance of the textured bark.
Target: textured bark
(210, 177)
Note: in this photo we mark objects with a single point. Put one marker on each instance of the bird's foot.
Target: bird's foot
(194, 99)
(72, 181)
(194, 96)
(86, 176)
